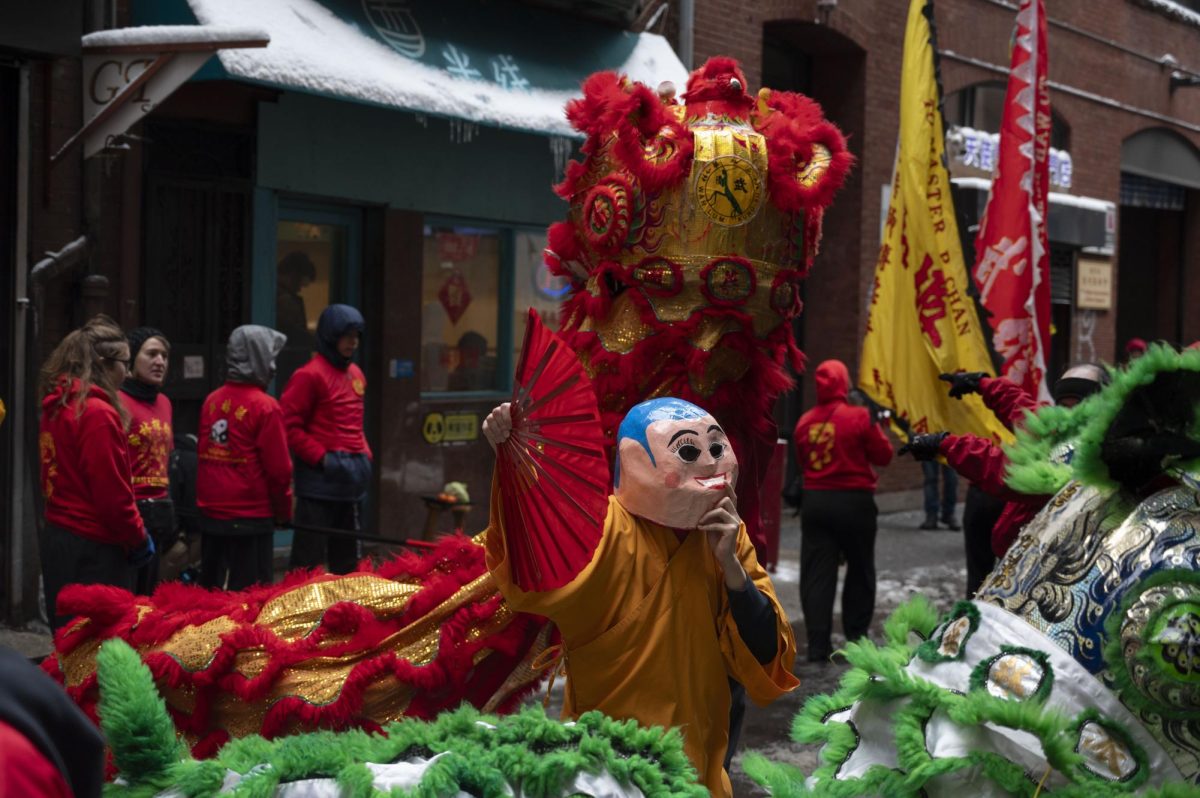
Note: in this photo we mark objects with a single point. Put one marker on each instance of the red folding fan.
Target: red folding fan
(553, 471)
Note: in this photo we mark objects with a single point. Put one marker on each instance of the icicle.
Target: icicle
(560, 150)
(422, 120)
(462, 131)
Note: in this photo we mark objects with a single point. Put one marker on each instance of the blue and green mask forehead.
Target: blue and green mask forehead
(641, 416)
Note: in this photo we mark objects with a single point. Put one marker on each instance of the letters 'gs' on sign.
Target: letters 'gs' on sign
(128, 72)
(1094, 284)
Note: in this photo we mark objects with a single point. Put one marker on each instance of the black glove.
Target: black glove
(963, 382)
(924, 447)
(143, 553)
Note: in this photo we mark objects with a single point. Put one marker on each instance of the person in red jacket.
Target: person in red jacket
(837, 444)
(983, 462)
(244, 472)
(323, 411)
(150, 442)
(93, 532)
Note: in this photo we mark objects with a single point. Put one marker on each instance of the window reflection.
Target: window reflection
(460, 308)
(310, 259)
(536, 287)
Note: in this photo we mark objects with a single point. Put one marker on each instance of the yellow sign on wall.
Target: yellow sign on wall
(1094, 284)
(450, 427)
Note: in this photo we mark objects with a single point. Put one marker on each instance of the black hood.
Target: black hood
(336, 321)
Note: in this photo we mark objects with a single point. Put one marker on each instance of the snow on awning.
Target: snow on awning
(497, 63)
(1074, 220)
(128, 72)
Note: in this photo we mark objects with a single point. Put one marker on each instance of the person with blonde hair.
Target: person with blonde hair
(93, 532)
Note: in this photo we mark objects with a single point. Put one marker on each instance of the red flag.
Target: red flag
(1012, 259)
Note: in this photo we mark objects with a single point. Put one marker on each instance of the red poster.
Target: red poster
(1012, 259)
(455, 296)
(454, 247)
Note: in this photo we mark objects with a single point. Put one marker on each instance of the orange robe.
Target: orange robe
(648, 633)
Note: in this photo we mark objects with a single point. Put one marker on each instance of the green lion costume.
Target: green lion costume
(1075, 671)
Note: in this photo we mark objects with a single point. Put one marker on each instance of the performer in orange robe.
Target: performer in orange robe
(673, 603)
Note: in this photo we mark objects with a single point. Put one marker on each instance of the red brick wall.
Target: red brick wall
(866, 106)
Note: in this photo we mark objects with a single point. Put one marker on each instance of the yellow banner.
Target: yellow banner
(922, 323)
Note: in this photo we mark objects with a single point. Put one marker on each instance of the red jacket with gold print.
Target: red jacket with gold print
(150, 441)
(244, 468)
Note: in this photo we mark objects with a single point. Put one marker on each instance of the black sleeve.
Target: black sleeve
(33, 704)
(755, 619)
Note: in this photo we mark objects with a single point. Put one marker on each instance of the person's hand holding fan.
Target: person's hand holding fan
(551, 468)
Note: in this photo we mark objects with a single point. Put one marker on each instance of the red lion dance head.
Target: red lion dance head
(690, 228)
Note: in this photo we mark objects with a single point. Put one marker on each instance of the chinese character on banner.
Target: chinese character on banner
(455, 296)
(454, 247)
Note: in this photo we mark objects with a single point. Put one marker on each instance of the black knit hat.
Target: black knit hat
(139, 336)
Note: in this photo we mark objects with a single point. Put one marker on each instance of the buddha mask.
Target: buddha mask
(674, 463)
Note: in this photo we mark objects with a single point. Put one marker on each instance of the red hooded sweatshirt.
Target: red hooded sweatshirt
(244, 469)
(86, 477)
(150, 443)
(984, 463)
(836, 442)
(323, 410)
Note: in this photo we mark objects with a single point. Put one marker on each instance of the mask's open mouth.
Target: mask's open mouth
(717, 482)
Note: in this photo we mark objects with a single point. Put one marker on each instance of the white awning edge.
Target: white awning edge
(165, 35)
(315, 51)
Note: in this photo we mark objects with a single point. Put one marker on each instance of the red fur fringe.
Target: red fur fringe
(343, 629)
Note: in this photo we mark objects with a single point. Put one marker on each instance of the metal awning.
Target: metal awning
(1074, 220)
(498, 63)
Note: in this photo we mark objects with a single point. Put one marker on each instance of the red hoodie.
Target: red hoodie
(323, 410)
(244, 469)
(86, 477)
(984, 463)
(150, 444)
(837, 442)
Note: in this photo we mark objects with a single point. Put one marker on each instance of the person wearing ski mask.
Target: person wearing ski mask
(674, 604)
(323, 413)
(244, 471)
(150, 441)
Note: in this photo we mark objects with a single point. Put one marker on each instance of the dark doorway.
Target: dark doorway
(1151, 280)
(198, 198)
(9, 114)
(828, 67)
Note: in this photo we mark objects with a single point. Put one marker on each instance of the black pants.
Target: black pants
(980, 513)
(158, 516)
(340, 555)
(834, 522)
(236, 554)
(69, 559)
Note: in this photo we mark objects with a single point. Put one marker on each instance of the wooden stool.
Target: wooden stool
(433, 515)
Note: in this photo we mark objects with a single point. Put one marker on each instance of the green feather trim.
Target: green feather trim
(1089, 467)
(982, 672)
(879, 673)
(930, 650)
(1114, 655)
(133, 715)
(1032, 467)
(536, 756)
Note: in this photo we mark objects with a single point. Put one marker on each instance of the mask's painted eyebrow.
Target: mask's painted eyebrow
(716, 428)
(681, 432)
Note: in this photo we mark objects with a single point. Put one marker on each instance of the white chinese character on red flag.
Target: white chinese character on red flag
(455, 296)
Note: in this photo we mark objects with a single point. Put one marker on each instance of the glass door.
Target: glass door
(317, 263)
